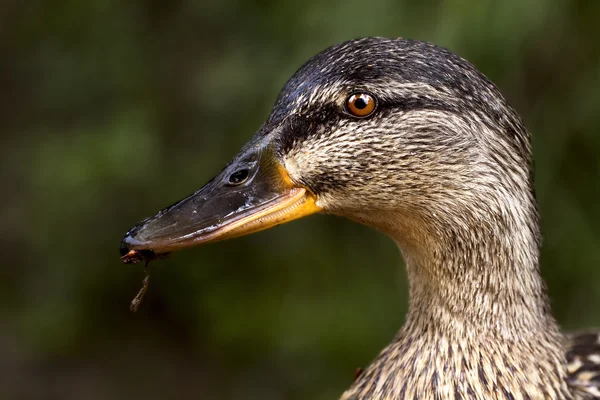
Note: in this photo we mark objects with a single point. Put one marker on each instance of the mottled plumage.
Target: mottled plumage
(583, 357)
(444, 167)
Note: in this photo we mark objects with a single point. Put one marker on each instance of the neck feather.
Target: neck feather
(484, 279)
(479, 324)
(474, 267)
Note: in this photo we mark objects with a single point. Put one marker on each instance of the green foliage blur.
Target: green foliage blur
(111, 110)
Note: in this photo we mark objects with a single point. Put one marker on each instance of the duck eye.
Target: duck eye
(361, 104)
(238, 177)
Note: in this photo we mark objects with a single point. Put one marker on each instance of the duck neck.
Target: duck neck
(471, 272)
(484, 279)
(478, 324)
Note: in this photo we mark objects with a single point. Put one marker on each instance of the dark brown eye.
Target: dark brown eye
(360, 104)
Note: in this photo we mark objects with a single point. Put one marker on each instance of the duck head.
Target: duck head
(400, 135)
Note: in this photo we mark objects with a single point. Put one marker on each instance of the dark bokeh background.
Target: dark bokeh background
(111, 110)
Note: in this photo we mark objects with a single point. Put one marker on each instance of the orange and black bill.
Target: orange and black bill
(251, 194)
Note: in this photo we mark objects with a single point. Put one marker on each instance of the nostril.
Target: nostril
(239, 177)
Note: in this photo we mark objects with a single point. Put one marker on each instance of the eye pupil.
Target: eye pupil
(238, 177)
(360, 103)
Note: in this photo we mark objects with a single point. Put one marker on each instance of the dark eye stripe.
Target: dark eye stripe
(314, 121)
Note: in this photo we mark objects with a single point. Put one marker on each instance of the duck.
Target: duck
(412, 140)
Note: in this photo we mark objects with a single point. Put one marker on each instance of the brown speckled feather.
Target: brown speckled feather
(583, 358)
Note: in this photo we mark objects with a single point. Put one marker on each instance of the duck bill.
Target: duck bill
(252, 194)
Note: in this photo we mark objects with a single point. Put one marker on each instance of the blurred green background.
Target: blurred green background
(111, 110)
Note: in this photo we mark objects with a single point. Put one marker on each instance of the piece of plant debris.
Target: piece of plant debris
(137, 300)
(133, 257)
